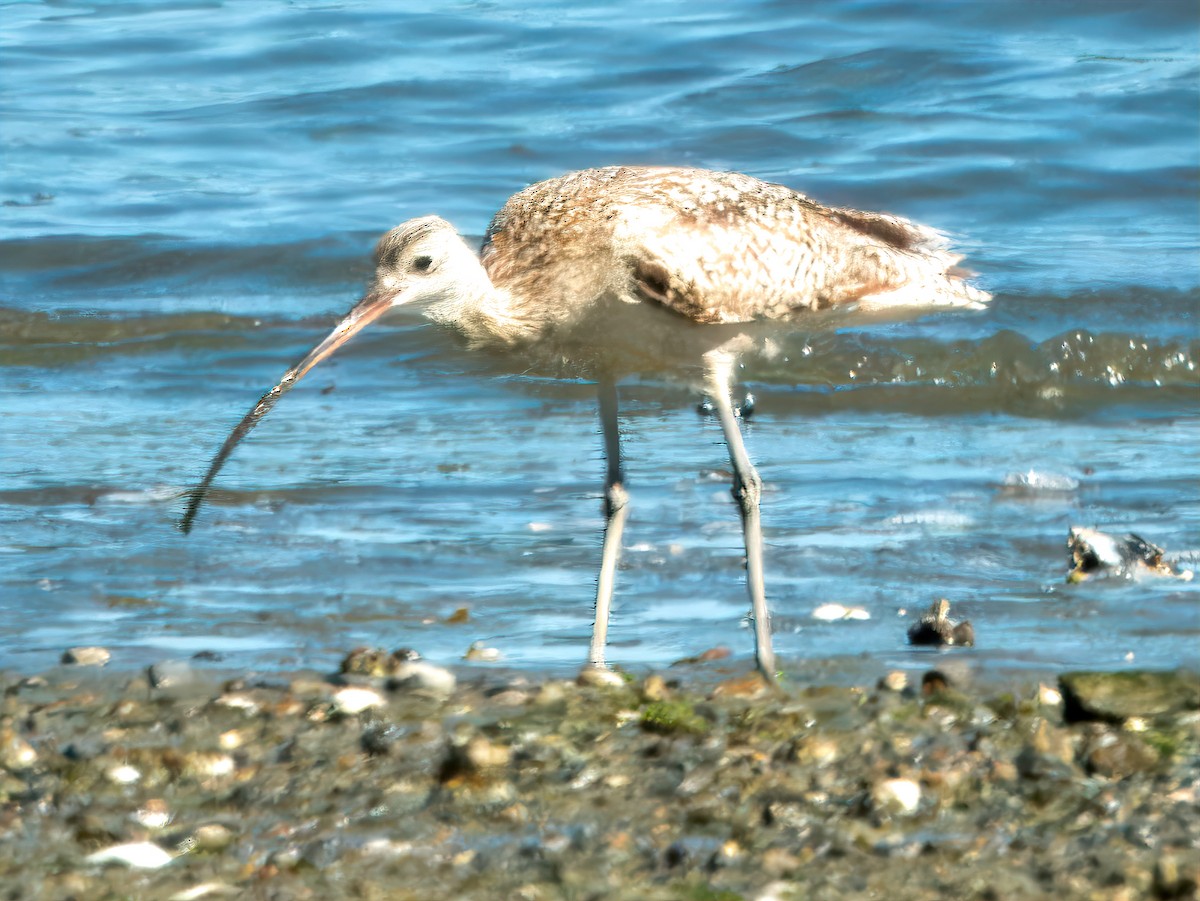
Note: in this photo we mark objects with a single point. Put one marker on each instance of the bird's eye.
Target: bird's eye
(422, 264)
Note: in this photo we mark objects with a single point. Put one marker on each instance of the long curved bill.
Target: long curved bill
(364, 312)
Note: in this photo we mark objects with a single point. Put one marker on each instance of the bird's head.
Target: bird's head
(423, 260)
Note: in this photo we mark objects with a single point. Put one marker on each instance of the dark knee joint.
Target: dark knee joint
(615, 499)
(747, 491)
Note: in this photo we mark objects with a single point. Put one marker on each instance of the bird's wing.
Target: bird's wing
(720, 247)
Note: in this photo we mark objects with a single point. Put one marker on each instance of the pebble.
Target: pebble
(654, 688)
(154, 814)
(16, 754)
(1050, 697)
(209, 765)
(479, 652)
(350, 701)
(483, 754)
(422, 677)
(86, 656)
(751, 685)
(720, 652)
(376, 662)
(898, 795)
(599, 676)
(135, 855)
(124, 774)
(1116, 755)
(204, 890)
(833, 612)
(238, 701)
(173, 675)
(212, 837)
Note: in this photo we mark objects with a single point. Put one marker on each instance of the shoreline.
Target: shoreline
(688, 783)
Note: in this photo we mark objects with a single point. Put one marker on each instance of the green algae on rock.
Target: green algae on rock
(1117, 696)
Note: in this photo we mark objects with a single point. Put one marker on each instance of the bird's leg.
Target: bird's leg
(615, 512)
(747, 491)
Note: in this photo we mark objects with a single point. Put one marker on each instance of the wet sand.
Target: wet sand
(688, 784)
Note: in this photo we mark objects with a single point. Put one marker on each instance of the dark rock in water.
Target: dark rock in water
(1114, 697)
(1095, 553)
(936, 628)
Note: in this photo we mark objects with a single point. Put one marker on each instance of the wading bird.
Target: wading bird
(622, 270)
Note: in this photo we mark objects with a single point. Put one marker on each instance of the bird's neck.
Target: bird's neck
(476, 307)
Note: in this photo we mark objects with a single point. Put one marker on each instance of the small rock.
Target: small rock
(815, 750)
(86, 656)
(654, 688)
(423, 677)
(1117, 755)
(204, 890)
(172, 675)
(484, 754)
(833, 612)
(154, 814)
(599, 676)
(509, 697)
(351, 701)
(935, 682)
(720, 652)
(124, 774)
(377, 662)
(473, 757)
(1170, 881)
(479, 652)
(212, 837)
(1049, 697)
(16, 754)
(751, 685)
(896, 680)
(135, 855)
(897, 795)
(238, 701)
(209, 765)
(779, 862)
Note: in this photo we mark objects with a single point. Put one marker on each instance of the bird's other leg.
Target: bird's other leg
(747, 491)
(615, 511)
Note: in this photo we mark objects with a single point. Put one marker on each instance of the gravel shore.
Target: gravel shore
(694, 784)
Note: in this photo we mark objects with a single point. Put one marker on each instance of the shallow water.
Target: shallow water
(191, 192)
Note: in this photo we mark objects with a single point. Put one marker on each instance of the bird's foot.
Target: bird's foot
(598, 674)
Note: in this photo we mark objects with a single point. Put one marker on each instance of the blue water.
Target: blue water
(190, 194)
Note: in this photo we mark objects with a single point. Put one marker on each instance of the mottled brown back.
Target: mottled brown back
(712, 246)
